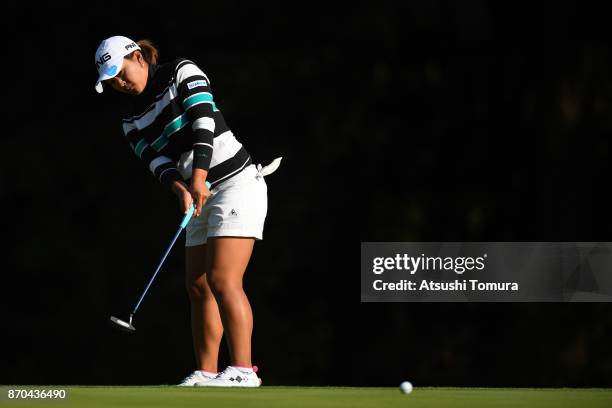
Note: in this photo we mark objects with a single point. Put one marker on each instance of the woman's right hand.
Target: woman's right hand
(184, 196)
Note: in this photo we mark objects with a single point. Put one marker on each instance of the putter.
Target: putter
(127, 326)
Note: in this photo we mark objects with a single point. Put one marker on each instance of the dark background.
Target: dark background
(397, 121)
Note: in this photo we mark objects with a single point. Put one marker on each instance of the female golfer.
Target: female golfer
(177, 129)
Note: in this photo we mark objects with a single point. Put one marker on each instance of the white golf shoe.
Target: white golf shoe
(233, 377)
(195, 377)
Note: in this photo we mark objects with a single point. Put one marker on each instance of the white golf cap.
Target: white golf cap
(109, 57)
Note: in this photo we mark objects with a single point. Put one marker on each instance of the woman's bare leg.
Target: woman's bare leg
(206, 326)
(228, 258)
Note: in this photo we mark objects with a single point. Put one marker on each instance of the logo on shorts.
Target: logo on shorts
(233, 212)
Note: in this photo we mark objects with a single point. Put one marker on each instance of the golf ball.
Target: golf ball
(406, 387)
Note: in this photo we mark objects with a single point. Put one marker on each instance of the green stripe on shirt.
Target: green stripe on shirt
(177, 124)
(203, 97)
(139, 148)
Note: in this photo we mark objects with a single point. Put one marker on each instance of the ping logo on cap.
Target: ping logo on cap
(103, 58)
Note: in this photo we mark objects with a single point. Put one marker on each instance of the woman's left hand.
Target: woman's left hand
(200, 193)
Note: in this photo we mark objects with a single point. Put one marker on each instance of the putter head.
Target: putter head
(122, 325)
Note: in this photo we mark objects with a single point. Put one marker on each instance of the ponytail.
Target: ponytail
(148, 50)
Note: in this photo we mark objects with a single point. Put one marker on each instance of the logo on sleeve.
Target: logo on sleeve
(199, 82)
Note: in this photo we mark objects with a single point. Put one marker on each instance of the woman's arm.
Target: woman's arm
(195, 94)
(163, 168)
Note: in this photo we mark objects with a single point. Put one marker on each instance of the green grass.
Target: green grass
(337, 397)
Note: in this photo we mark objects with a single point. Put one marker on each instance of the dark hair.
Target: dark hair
(148, 50)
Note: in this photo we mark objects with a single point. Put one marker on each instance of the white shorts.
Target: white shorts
(235, 208)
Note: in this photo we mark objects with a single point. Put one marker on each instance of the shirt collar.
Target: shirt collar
(152, 70)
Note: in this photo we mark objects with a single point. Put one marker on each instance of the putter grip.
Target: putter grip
(190, 212)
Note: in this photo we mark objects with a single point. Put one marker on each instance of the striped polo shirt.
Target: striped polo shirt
(175, 125)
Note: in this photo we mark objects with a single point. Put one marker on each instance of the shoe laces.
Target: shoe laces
(193, 376)
(231, 371)
(225, 373)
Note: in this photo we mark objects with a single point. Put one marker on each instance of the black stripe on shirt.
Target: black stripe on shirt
(229, 168)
